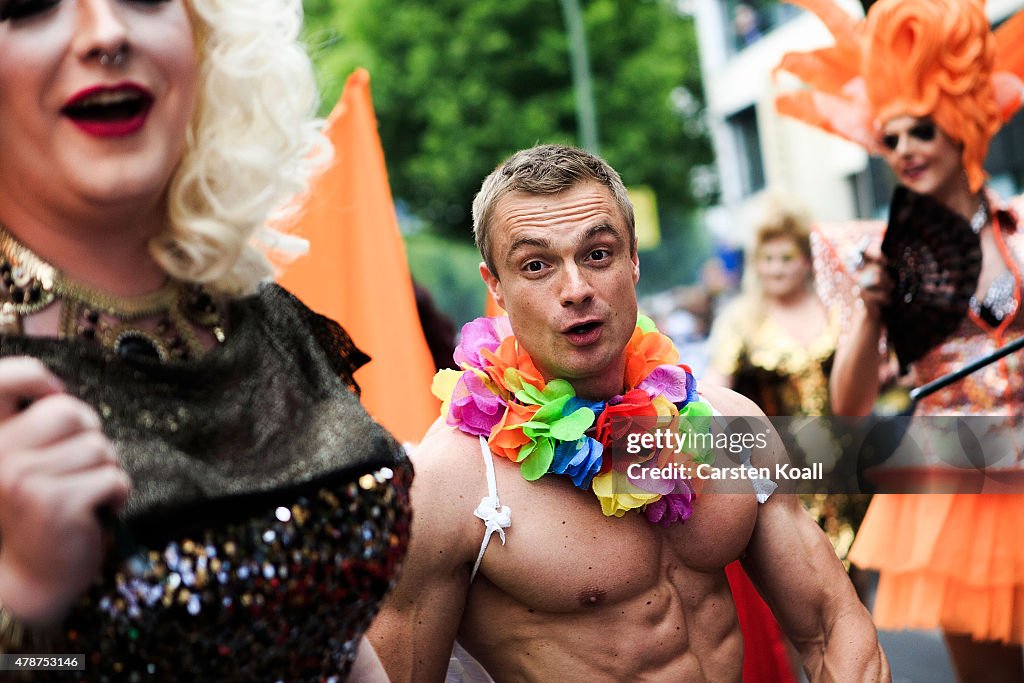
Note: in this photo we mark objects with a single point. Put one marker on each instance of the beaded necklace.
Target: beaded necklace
(499, 394)
(28, 284)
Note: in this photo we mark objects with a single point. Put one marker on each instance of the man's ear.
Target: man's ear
(635, 258)
(493, 284)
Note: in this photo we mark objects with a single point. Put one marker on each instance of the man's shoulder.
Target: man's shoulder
(727, 402)
(450, 481)
(739, 413)
(449, 465)
(446, 448)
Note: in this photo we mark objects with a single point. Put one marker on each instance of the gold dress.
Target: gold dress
(784, 378)
(770, 367)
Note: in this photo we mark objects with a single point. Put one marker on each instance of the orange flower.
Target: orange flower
(646, 351)
(510, 356)
(507, 442)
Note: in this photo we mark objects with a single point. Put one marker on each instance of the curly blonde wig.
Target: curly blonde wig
(782, 216)
(778, 216)
(251, 149)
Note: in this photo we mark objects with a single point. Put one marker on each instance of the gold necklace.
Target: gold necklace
(28, 284)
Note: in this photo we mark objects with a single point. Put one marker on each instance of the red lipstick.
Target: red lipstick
(110, 110)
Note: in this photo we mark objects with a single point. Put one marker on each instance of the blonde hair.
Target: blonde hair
(782, 216)
(251, 149)
(779, 216)
(545, 169)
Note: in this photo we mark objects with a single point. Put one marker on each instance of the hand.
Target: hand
(56, 470)
(876, 286)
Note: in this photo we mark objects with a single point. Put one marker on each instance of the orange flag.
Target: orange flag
(491, 307)
(356, 271)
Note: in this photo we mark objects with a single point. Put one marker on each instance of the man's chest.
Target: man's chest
(562, 554)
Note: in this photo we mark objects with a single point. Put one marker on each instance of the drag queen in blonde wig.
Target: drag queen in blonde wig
(253, 145)
(189, 486)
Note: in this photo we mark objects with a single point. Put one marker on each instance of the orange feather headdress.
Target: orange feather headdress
(935, 58)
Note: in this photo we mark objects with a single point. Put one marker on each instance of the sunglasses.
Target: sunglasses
(925, 132)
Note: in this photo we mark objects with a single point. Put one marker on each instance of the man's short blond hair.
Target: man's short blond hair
(544, 169)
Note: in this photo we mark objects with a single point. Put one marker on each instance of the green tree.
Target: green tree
(459, 85)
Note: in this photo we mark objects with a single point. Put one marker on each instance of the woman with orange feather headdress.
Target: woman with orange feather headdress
(926, 84)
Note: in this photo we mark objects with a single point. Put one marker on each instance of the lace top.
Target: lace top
(268, 516)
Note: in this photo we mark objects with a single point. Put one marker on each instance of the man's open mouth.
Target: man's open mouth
(584, 328)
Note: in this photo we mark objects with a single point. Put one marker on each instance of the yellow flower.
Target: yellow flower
(443, 386)
(618, 495)
(667, 412)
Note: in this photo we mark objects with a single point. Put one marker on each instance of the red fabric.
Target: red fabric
(765, 658)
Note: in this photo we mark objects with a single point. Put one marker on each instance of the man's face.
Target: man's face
(567, 277)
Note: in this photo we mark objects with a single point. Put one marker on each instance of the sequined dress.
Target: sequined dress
(953, 561)
(269, 514)
(770, 367)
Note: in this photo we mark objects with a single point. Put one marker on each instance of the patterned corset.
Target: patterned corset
(282, 594)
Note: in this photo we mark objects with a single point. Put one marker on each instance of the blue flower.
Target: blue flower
(575, 403)
(580, 460)
(691, 387)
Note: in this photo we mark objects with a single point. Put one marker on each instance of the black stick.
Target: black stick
(927, 389)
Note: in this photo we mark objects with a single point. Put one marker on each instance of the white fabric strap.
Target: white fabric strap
(496, 517)
(763, 488)
(463, 668)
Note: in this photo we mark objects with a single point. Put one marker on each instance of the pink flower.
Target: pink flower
(474, 408)
(479, 334)
(671, 381)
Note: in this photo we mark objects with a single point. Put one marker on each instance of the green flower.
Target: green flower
(549, 426)
(695, 419)
(645, 324)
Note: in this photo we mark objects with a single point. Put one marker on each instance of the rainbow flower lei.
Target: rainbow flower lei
(499, 394)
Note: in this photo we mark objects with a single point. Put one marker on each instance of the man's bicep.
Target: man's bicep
(415, 630)
(797, 571)
(794, 566)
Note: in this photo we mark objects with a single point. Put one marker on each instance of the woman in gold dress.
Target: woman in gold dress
(775, 342)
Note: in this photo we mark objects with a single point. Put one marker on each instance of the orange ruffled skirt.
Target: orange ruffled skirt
(949, 561)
